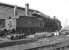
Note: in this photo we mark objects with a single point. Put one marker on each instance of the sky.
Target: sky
(58, 8)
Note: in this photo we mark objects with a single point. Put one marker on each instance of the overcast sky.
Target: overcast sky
(58, 8)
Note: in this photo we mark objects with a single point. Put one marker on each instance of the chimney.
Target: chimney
(26, 9)
(15, 10)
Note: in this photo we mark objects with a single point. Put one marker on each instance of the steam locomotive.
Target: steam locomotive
(30, 24)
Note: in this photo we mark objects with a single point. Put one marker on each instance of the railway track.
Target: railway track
(53, 43)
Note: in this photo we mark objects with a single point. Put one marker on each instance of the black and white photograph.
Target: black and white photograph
(34, 24)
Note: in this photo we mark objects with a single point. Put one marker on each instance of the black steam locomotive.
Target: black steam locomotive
(29, 23)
